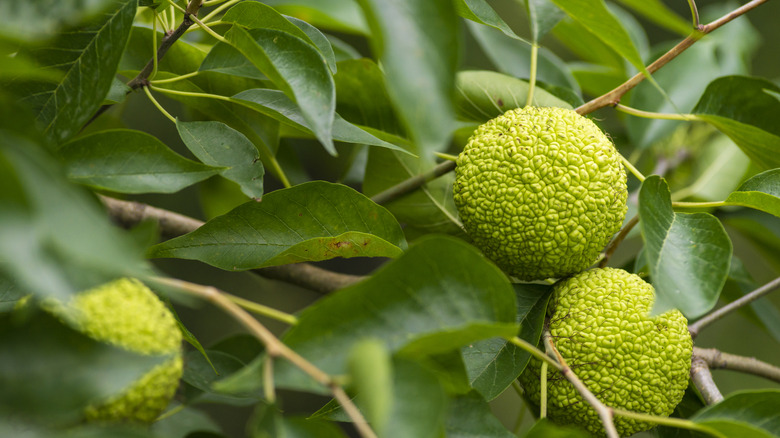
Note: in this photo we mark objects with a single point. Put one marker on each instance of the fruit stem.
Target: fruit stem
(668, 421)
(409, 185)
(532, 76)
(174, 79)
(613, 245)
(634, 171)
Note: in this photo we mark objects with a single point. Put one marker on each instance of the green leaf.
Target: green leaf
(419, 402)
(484, 95)
(763, 312)
(440, 286)
(761, 192)
(128, 161)
(38, 19)
(688, 254)
(717, 169)
(479, 11)
(594, 16)
(744, 410)
(309, 222)
(319, 40)
(544, 428)
(337, 15)
(371, 376)
(269, 423)
(493, 364)
(543, 16)
(224, 58)
(297, 69)
(660, 14)
(469, 416)
(417, 44)
(186, 421)
(512, 57)
(275, 104)
(201, 377)
(217, 144)
(742, 108)
(88, 59)
(50, 372)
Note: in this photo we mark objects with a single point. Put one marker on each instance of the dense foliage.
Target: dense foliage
(272, 147)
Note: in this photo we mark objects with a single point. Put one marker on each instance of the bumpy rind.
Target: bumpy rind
(599, 322)
(541, 191)
(127, 314)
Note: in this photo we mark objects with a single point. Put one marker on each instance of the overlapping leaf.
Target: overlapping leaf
(127, 161)
(688, 254)
(744, 413)
(309, 222)
(761, 192)
(479, 11)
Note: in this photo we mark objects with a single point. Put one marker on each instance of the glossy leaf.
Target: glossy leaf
(469, 416)
(493, 364)
(39, 389)
(594, 16)
(744, 411)
(440, 289)
(217, 144)
(484, 95)
(127, 161)
(479, 11)
(688, 254)
(371, 377)
(319, 40)
(38, 19)
(761, 192)
(297, 69)
(275, 104)
(543, 16)
(309, 222)
(224, 58)
(660, 14)
(743, 108)
(326, 14)
(417, 44)
(419, 402)
(201, 377)
(88, 59)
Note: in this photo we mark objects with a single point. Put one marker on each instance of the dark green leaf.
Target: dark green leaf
(361, 96)
(319, 40)
(224, 58)
(742, 108)
(594, 16)
(327, 14)
(50, 372)
(269, 423)
(761, 192)
(543, 15)
(469, 416)
(544, 428)
(493, 364)
(297, 69)
(479, 11)
(417, 45)
(688, 254)
(309, 222)
(183, 424)
(202, 377)
(439, 286)
(484, 95)
(419, 403)
(117, 92)
(275, 104)
(217, 144)
(38, 19)
(128, 161)
(88, 58)
(743, 411)
(255, 15)
(371, 377)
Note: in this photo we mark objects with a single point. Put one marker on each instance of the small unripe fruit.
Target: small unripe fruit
(540, 191)
(599, 323)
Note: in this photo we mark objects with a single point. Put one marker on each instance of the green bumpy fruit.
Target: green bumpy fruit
(599, 322)
(541, 191)
(125, 313)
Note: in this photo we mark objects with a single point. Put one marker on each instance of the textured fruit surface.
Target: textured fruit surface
(599, 322)
(125, 313)
(540, 191)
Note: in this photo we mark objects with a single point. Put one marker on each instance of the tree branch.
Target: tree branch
(613, 97)
(273, 346)
(613, 245)
(409, 185)
(128, 214)
(717, 360)
(604, 412)
(702, 379)
(715, 315)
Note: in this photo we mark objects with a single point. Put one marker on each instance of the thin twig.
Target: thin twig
(702, 379)
(613, 97)
(715, 315)
(409, 185)
(128, 214)
(613, 245)
(718, 360)
(273, 346)
(604, 412)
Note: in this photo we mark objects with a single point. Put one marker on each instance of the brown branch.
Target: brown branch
(409, 185)
(717, 360)
(613, 97)
(715, 315)
(613, 245)
(128, 214)
(604, 412)
(274, 347)
(702, 379)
